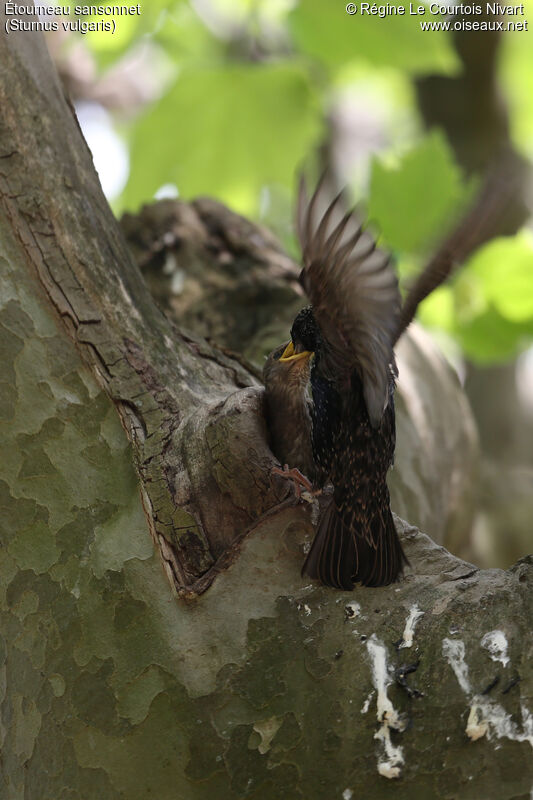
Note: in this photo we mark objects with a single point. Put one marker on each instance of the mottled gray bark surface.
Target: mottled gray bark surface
(264, 685)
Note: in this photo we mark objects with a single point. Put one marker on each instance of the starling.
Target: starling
(329, 393)
(288, 406)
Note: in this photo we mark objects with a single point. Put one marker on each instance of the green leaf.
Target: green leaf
(516, 78)
(108, 47)
(185, 39)
(226, 132)
(437, 310)
(490, 338)
(323, 29)
(489, 309)
(171, 25)
(415, 200)
(504, 268)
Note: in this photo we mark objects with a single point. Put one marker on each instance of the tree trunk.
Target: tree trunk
(224, 674)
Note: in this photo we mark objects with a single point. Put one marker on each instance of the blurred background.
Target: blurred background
(229, 97)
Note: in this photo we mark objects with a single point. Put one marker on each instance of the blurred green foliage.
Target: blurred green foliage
(417, 194)
(489, 307)
(516, 79)
(323, 30)
(240, 126)
(247, 95)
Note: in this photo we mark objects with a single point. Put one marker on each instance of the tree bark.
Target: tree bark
(169, 388)
(256, 683)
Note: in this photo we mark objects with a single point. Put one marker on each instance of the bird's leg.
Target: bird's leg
(298, 480)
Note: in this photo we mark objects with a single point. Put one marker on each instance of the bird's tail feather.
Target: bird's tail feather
(339, 557)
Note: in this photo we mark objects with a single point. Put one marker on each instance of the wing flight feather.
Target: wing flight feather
(353, 289)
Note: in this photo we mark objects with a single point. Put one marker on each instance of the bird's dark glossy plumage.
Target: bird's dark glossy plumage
(339, 426)
(345, 407)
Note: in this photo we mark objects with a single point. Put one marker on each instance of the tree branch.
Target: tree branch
(172, 390)
(192, 412)
(266, 685)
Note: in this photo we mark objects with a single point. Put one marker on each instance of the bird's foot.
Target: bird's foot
(299, 482)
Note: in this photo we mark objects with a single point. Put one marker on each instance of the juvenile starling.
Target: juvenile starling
(329, 393)
(288, 408)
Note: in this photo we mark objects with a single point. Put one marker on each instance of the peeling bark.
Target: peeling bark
(265, 685)
(162, 381)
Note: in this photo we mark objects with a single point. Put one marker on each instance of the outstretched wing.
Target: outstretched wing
(354, 292)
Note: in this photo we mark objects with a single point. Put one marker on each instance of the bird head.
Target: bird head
(305, 333)
(287, 367)
(290, 364)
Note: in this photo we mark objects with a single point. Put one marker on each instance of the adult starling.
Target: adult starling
(329, 393)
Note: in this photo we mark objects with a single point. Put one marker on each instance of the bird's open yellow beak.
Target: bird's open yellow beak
(289, 354)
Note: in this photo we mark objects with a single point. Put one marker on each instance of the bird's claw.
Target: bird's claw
(299, 481)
